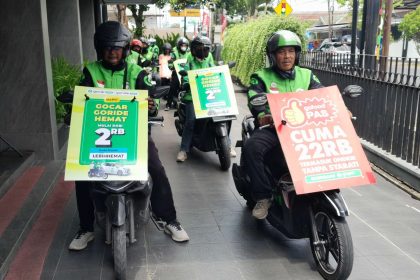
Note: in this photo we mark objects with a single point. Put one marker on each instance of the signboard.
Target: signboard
(108, 135)
(177, 66)
(212, 92)
(319, 142)
(185, 13)
(283, 8)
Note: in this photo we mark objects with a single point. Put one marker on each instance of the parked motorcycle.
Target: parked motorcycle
(121, 207)
(318, 216)
(210, 134)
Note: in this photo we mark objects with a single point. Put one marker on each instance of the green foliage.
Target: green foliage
(65, 77)
(245, 43)
(170, 38)
(410, 25)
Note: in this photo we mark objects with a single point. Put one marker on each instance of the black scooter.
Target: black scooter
(318, 216)
(210, 134)
(121, 207)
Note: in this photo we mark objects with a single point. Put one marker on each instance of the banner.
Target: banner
(108, 135)
(212, 92)
(185, 13)
(319, 142)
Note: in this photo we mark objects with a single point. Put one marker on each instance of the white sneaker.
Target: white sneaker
(182, 156)
(260, 210)
(232, 152)
(81, 240)
(177, 233)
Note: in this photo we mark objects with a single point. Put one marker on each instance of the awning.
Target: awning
(128, 2)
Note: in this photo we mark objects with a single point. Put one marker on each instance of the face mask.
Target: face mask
(143, 51)
(201, 53)
(183, 49)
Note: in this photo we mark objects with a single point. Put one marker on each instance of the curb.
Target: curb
(404, 175)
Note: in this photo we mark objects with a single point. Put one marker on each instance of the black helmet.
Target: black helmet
(200, 41)
(166, 46)
(182, 41)
(111, 34)
(282, 38)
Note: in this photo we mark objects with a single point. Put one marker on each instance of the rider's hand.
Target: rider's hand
(265, 120)
(151, 104)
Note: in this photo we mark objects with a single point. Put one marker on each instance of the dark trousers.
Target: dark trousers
(262, 144)
(173, 90)
(188, 132)
(161, 198)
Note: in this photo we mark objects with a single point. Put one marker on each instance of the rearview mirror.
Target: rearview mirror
(183, 73)
(352, 91)
(258, 100)
(231, 64)
(66, 97)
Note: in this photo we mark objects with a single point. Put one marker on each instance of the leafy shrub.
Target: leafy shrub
(170, 38)
(245, 43)
(65, 77)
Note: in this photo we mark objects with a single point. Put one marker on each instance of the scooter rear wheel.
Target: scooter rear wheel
(119, 248)
(334, 252)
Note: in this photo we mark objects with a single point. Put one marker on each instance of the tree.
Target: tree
(138, 11)
(410, 26)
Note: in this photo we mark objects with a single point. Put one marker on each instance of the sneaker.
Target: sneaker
(260, 210)
(177, 233)
(166, 108)
(182, 156)
(81, 240)
(232, 152)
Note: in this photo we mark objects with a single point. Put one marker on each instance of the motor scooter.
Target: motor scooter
(121, 207)
(210, 134)
(318, 216)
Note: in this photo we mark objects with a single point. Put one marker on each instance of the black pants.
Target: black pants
(263, 144)
(161, 198)
(173, 90)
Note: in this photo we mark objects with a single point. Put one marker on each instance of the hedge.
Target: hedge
(245, 43)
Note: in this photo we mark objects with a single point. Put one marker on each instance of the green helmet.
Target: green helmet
(282, 38)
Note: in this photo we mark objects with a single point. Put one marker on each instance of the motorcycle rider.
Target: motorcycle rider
(135, 50)
(178, 52)
(153, 48)
(283, 49)
(199, 58)
(164, 58)
(111, 42)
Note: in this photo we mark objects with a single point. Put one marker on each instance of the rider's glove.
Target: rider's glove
(265, 119)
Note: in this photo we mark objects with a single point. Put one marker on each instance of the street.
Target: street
(228, 243)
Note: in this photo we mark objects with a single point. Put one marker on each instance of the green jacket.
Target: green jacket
(194, 64)
(133, 57)
(105, 78)
(268, 81)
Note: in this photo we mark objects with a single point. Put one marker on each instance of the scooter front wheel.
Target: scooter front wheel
(224, 152)
(119, 249)
(332, 246)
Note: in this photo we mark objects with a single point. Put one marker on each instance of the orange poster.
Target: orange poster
(319, 142)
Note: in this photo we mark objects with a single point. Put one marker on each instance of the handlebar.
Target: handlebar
(156, 121)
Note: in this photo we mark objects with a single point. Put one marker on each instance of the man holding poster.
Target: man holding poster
(283, 75)
(111, 42)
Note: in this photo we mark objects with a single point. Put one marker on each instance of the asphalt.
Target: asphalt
(226, 242)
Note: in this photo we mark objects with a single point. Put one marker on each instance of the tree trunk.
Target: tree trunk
(122, 15)
(137, 11)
